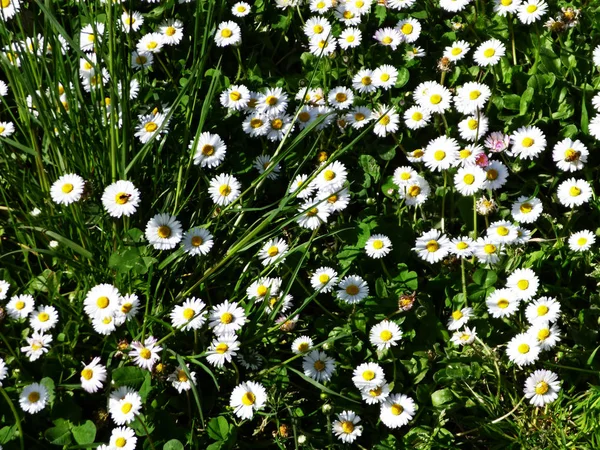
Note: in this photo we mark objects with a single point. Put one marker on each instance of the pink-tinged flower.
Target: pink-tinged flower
(497, 142)
(482, 160)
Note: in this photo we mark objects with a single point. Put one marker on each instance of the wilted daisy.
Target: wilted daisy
(318, 366)
(388, 37)
(502, 303)
(432, 246)
(209, 150)
(224, 189)
(180, 380)
(462, 247)
(33, 398)
(541, 387)
(528, 142)
(147, 354)
(346, 427)
(531, 11)
(523, 349)
(368, 375)
(163, 231)
(547, 335)
(502, 232)
(37, 345)
(352, 289)
(469, 180)
(459, 318)
(397, 410)
(121, 198)
(226, 317)
(123, 405)
(247, 398)
(20, 306)
(92, 376)
(67, 189)
(197, 241)
(489, 53)
(457, 50)
(324, 279)
(544, 309)
(574, 192)
(527, 209)
(581, 241)
(44, 318)
(190, 315)
(222, 349)
(386, 120)
(123, 438)
(378, 246)
(464, 337)
(228, 33)
(570, 155)
(441, 153)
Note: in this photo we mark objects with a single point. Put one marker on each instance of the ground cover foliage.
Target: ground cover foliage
(295, 224)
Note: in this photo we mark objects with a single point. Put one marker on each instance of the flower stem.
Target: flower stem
(16, 415)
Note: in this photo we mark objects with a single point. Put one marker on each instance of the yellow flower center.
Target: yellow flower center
(523, 349)
(121, 442)
(256, 123)
(341, 97)
(417, 116)
(261, 290)
(107, 320)
(542, 310)
(323, 278)
(377, 244)
(387, 40)
(375, 392)
(141, 59)
(145, 353)
(574, 191)
(432, 246)
(469, 179)
(271, 100)
(352, 289)
(474, 95)
(164, 232)
(19, 305)
(226, 318)
(197, 241)
(571, 154)
(36, 346)
(366, 81)
(457, 315)
(67, 187)
(320, 5)
(102, 302)
(125, 308)
(397, 409)
(526, 208)
(208, 150)
(435, 99)
(303, 347)
(462, 245)
(318, 29)
(456, 51)
(181, 376)
(368, 375)
(541, 388)
(43, 317)
(385, 335)
(488, 53)
(329, 175)
(489, 248)
(527, 142)
(242, 9)
(150, 127)
(414, 190)
(407, 28)
(248, 398)
(121, 198)
(5, 3)
(581, 241)
(188, 313)
(384, 77)
(87, 374)
(170, 31)
(221, 348)
(273, 251)
(319, 365)
(33, 397)
(439, 155)
(304, 116)
(506, 2)
(543, 334)
(503, 231)
(472, 124)
(349, 15)
(224, 190)
(418, 153)
(523, 284)
(226, 32)
(492, 174)
(126, 408)
(347, 426)
(503, 303)
(276, 124)
(531, 9)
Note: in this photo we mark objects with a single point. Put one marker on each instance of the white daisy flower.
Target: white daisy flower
(163, 231)
(37, 345)
(44, 318)
(222, 349)
(523, 349)
(321, 6)
(471, 97)
(324, 279)
(459, 318)
(502, 303)
(132, 21)
(278, 126)
(180, 380)
(363, 81)
(388, 37)
(273, 102)
(410, 29)
(464, 337)
(235, 97)
(124, 405)
(415, 193)
(151, 125)
(527, 209)
(20, 306)
(306, 116)
(147, 354)
(368, 375)
(352, 289)
(90, 35)
(312, 214)
(386, 120)
(454, 5)
(378, 246)
(8, 9)
(4, 287)
(346, 427)
(172, 31)
(547, 335)
(141, 60)
(331, 177)
(570, 155)
(190, 315)
(122, 438)
(404, 176)
(302, 344)
(263, 286)
(528, 142)
(101, 300)
(489, 53)
(224, 189)
(209, 150)
(337, 201)
(574, 192)
(150, 43)
(397, 410)
(385, 334)
(349, 38)
(33, 398)
(121, 198)
(228, 33)
(469, 180)
(129, 306)
(416, 117)
(226, 317)
(241, 9)
(502, 232)
(318, 366)
(400, 4)
(247, 398)
(273, 251)
(93, 376)
(441, 153)
(377, 395)
(263, 162)
(473, 128)
(197, 241)
(581, 241)
(544, 309)
(318, 27)
(487, 250)
(432, 246)
(67, 189)
(340, 97)
(256, 125)
(320, 46)
(541, 387)
(505, 7)
(496, 175)
(432, 96)
(531, 11)
(462, 247)
(6, 129)
(457, 51)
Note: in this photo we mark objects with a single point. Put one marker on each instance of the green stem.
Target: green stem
(444, 199)
(16, 415)
(464, 279)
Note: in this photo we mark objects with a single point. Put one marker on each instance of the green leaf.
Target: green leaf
(218, 428)
(129, 376)
(8, 433)
(403, 77)
(48, 383)
(59, 434)
(526, 100)
(370, 166)
(485, 278)
(173, 444)
(85, 434)
(441, 397)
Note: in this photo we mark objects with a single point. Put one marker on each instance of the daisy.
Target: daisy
(124, 408)
(528, 142)
(415, 193)
(378, 246)
(279, 303)
(432, 246)
(222, 349)
(574, 192)
(502, 303)
(247, 398)
(321, 6)
(226, 317)
(163, 231)
(302, 344)
(6, 129)
(544, 309)
(122, 438)
(454, 5)
(496, 175)
(352, 289)
(141, 60)
(89, 35)
(541, 387)
(345, 427)
(322, 47)
(228, 33)
(400, 4)
(340, 97)
(459, 318)
(434, 97)
(272, 251)
(197, 241)
(363, 81)
(306, 116)
(279, 126)
(151, 125)
(317, 27)
(33, 398)
(241, 9)
(105, 324)
(416, 117)
(464, 337)
(469, 180)
(273, 102)
(570, 155)
(377, 395)
(44, 318)
(331, 177)
(527, 209)
(505, 7)
(224, 189)
(312, 215)
(172, 31)
(384, 335)
(150, 43)
(441, 153)
(132, 21)
(318, 366)
(180, 380)
(457, 50)
(8, 9)
(471, 97)
(473, 128)
(337, 201)
(101, 300)
(67, 189)
(502, 232)
(489, 53)
(3, 371)
(581, 241)
(37, 345)
(92, 376)
(410, 29)
(209, 150)
(462, 247)
(388, 37)
(397, 410)
(531, 11)
(121, 198)
(487, 250)
(349, 38)
(20, 306)
(190, 315)
(547, 335)
(263, 286)
(386, 120)
(324, 279)
(235, 97)
(523, 350)
(4, 287)
(145, 355)
(368, 375)
(404, 176)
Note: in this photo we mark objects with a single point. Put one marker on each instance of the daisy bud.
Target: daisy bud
(327, 408)
(302, 439)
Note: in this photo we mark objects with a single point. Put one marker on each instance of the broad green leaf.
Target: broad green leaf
(85, 434)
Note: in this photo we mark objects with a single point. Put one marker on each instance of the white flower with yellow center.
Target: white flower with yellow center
(386, 120)
(527, 209)
(574, 192)
(37, 345)
(469, 180)
(150, 43)
(182, 380)
(124, 408)
(397, 410)
(262, 163)
(247, 398)
(454, 5)
(378, 246)
(352, 289)
(502, 232)
(489, 53)
(441, 153)
(317, 27)
(415, 193)
(432, 246)
(6, 129)
(122, 438)
(302, 344)
(324, 279)
(350, 38)
(473, 128)
(488, 250)
(263, 287)
(20, 306)
(404, 176)
(224, 189)
(129, 306)
(375, 395)
(531, 11)
(464, 337)
(163, 231)
(368, 375)
(502, 303)
(235, 97)
(241, 9)
(33, 398)
(209, 150)
(544, 309)
(570, 155)
(141, 60)
(273, 251)
(90, 35)
(363, 81)
(121, 198)
(171, 31)
(505, 7)
(457, 51)
(400, 4)
(228, 33)
(301, 185)
(8, 9)
(472, 97)
(4, 287)
(524, 283)
(105, 324)
(541, 387)
(190, 315)
(528, 142)
(318, 366)
(433, 97)
(92, 376)
(44, 318)
(101, 300)
(331, 177)
(67, 189)
(523, 349)
(346, 427)
(226, 317)
(581, 241)
(459, 318)
(496, 175)
(197, 241)
(388, 37)
(151, 125)
(273, 102)
(321, 46)
(132, 21)
(340, 97)
(385, 334)
(547, 335)
(320, 6)
(222, 349)
(462, 247)
(416, 117)
(146, 354)
(410, 29)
